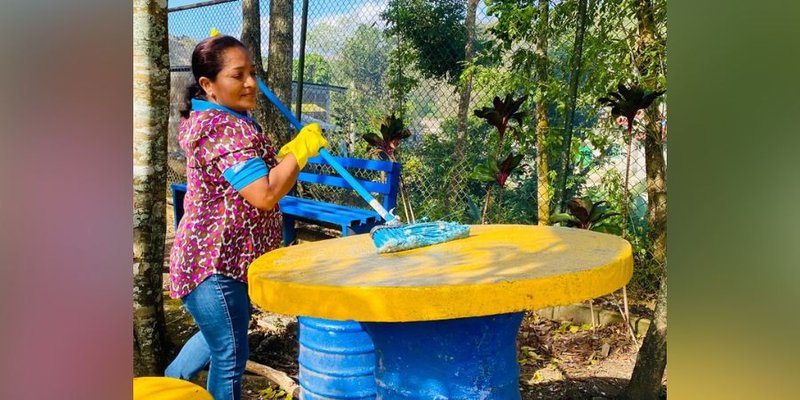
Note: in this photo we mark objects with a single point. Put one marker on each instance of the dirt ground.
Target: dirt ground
(558, 360)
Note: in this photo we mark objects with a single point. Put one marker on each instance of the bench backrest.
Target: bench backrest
(387, 188)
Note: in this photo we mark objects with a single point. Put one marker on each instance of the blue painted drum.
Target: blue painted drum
(337, 360)
(464, 358)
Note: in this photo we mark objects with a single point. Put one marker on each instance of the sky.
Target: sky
(343, 15)
(332, 5)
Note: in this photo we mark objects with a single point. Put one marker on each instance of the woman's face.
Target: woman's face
(235, 86)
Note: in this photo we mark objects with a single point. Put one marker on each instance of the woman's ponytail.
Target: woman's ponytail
(193, 91)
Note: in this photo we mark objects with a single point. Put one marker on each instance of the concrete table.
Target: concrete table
(443, 318)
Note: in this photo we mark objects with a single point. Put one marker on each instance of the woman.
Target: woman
(234, 182)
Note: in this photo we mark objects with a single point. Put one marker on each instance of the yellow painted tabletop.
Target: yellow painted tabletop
(497, 269)
(163, 388)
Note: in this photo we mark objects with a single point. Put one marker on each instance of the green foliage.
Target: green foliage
(474, 213)
(493, 171)
(485, 172)
(393, 130)
(364, 61)
(509, 58)
(507, 61)
(420, 173)
(326, 37)
(515, 22)
(273, 393)
(435, 31)
(500, 116)
(583, 213)
(317, 69)
(356, 114)
(502, 113)
(400, 81)
(646, 272)
(627, 101)
(362, 68)
(506, 166)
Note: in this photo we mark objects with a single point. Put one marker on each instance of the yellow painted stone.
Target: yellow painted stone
(163, 388)
(497, 269)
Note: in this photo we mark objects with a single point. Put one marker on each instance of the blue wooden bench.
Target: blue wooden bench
(350, 219)
(178, 193)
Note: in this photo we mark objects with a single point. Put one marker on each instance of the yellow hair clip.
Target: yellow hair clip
(214, 32)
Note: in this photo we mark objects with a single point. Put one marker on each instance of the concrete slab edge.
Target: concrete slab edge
(581, 314)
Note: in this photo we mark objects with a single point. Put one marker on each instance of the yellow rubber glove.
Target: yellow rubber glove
(305, 145)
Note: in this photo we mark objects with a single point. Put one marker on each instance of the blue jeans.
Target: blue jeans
(221, 309)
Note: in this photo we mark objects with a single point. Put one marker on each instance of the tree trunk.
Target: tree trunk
(150, 120)
(279, 68)
(542, 128)
(487, 202)
(656, 170)
(574, 78)
(652, 358)
(251, 37)
(463, 104)
(649, 47)
(651, 361)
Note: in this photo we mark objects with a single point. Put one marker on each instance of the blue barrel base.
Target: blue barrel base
(465, 358)
(336, 360)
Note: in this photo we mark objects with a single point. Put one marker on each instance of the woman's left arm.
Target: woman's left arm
(264, 192)
(263, 187)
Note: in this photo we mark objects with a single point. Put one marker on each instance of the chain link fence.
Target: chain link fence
(360, 67)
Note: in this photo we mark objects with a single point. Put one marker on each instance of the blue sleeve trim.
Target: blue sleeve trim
(245, 172)
(203, 105)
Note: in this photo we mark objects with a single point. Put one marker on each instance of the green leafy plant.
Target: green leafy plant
(493, 171)
(273, 393)
(435, 31)
(317, 69)
(502, 113)
(393, 131)
(626, 102)
(497, 171)
(473, 213)
(582, 213)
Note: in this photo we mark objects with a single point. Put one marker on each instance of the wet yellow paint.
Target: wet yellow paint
(497, 269)
(162, 388)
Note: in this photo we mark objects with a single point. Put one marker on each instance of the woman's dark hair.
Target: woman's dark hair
(206, 61)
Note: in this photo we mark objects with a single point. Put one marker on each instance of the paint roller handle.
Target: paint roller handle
(386, 215)
(277, 103)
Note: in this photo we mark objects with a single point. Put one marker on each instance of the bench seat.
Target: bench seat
(327, 212)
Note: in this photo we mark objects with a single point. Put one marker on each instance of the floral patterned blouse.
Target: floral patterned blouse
(220, 232)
